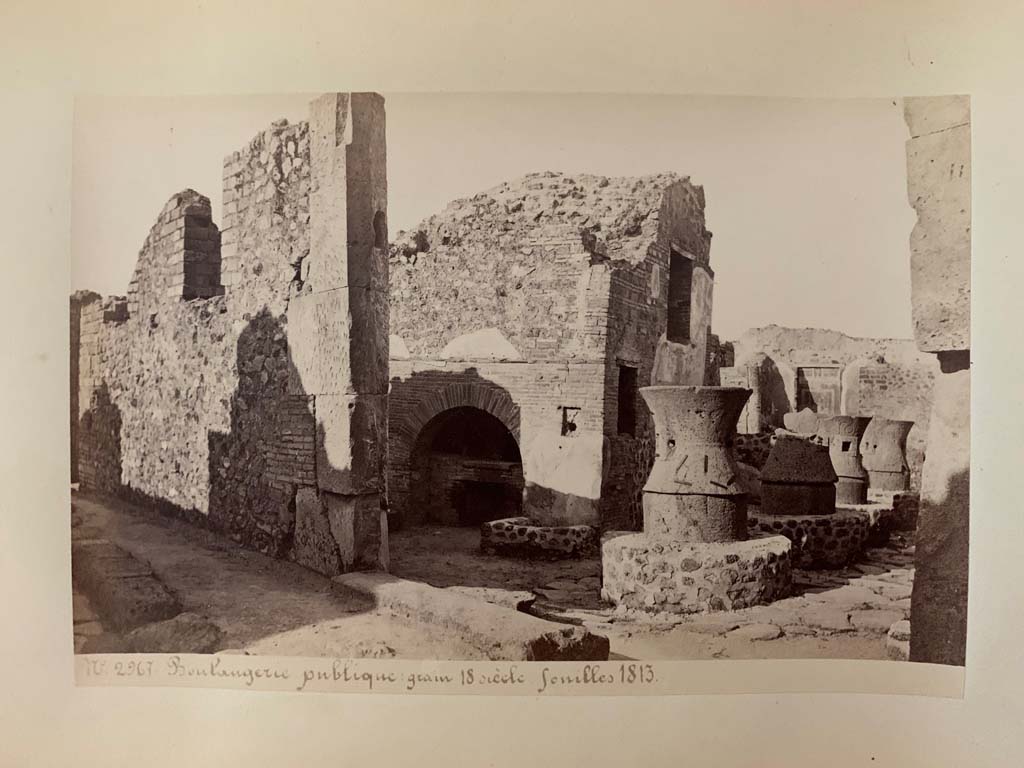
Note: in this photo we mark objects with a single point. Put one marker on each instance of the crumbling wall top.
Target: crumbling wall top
(618, 217)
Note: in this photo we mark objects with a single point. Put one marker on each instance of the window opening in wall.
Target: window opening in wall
(569, 413)
(627, 400)
(680, 286)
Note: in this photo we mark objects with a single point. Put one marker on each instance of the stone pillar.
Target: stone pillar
(78, 300)
(939, 189)
(338, 335)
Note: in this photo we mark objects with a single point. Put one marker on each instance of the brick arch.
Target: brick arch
(492, 400)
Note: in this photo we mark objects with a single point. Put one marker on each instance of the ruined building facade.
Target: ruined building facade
(243, 379)
(524, 320)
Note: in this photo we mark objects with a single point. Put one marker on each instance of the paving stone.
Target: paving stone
(563, 585)
(756, 632)
(798, 630)
(710, 626)
(556, 596)
(895, 591)
(828, 618)
(897, 641)
(849, 595)
(867, 568)
(900, 630)
(875, 621)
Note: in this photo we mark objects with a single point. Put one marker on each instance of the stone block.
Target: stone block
(348, 196)
(337, 534)
(939, 189)
(756, 632)
(500, 633)
(360, 529)
(315, 546)
(351, 434)
(929, 114)
(338, 342)
(897, 641)
(122, 589)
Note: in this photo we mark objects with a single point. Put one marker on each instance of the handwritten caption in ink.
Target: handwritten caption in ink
(347, 675)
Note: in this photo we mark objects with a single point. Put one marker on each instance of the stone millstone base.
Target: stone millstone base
(647, 573)
(823, 541)
(521, 537)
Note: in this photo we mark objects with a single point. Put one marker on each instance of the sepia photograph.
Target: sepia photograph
(521, 377)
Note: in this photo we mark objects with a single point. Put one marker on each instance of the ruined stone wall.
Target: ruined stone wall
(809, 346)
(885, 377)
(195, 393)
(902, 392)
(195, 390)
(543, 287)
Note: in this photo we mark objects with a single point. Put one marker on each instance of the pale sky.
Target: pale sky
(806, 198)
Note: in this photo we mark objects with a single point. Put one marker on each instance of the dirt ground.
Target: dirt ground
(263, 605)
(268, 606)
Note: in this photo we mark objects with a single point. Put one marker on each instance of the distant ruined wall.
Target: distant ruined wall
(939, 189)
(871, 377)
(190, 392)
(543, 287)
(900, 392)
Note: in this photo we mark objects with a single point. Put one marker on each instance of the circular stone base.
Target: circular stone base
(826, 541)
(521, 537)
(652, 574)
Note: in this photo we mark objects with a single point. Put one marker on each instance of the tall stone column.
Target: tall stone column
(939, 189)
(338, 334)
